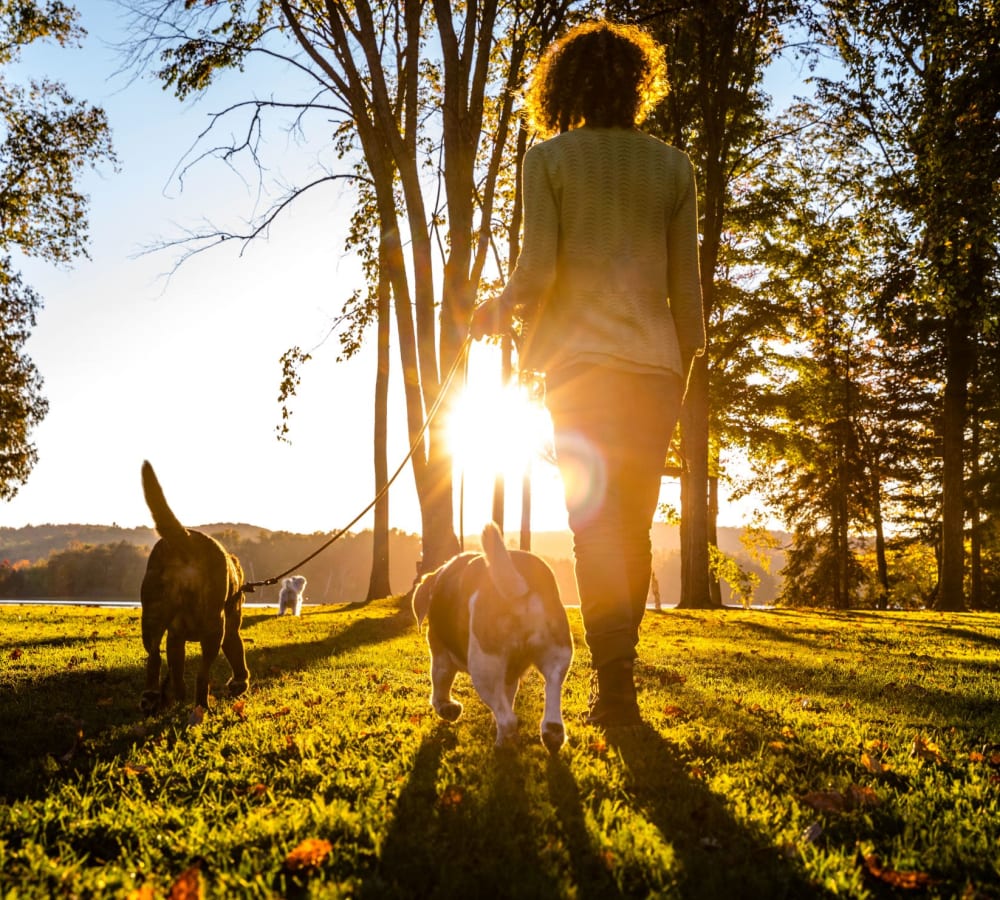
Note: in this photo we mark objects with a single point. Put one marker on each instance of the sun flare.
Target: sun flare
(502, 430)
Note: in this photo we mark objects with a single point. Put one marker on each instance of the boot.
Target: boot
(612, 700)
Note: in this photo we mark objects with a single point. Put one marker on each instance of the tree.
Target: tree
(424, 94)
(920, 80)
(49, 138)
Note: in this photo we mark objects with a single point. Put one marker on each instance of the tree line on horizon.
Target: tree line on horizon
(849, 246)
(87, 562)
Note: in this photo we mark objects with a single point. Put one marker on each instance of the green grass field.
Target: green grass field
(787, 754)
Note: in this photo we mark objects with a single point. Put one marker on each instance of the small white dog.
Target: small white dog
(494, 614)
(290, 598)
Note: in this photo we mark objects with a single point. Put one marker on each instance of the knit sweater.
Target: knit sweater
(608, 273)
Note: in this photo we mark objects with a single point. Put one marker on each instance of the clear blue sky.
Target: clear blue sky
(185, 372)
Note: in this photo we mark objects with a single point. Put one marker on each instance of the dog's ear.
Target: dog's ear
(422, 594)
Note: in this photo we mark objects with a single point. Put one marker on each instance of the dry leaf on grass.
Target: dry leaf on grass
(926, 750)
(135, 769)
(451, 796)
(145, 892)
(855, 797)
(873, 764)
(187, 885)
(825, 801)
(308, 855)
(904, 880)
(673, 712)
(240, 708)
(16, 653)
(861, 797)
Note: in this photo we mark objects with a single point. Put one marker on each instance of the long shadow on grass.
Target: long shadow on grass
(719, 857)
(62, 722)
(452, 840)
(268, 664)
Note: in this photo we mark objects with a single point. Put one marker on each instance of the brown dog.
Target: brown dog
(494, 614)
(190, 592)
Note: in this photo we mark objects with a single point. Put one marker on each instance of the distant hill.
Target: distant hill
(36, 542)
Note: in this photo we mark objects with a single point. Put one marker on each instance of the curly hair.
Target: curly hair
(599, 73)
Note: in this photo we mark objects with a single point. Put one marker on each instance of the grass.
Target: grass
(787, 754)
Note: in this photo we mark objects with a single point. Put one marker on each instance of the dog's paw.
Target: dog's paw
(553, 736)
(449, 711)
(237, 688)
(150, 702)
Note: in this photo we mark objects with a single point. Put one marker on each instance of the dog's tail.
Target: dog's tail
(506, 579)
(167, 524)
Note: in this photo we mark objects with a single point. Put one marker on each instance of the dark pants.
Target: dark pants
(612, 430)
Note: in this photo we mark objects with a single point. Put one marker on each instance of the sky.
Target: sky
(143, 359)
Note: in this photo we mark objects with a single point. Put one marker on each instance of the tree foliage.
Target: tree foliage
(48, 139)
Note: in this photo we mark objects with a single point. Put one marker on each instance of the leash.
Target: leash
(462, 354)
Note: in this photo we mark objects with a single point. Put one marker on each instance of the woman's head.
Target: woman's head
(598, 73)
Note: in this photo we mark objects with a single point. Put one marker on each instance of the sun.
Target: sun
(494, 430)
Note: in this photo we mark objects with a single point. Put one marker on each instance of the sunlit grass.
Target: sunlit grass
(784, 749)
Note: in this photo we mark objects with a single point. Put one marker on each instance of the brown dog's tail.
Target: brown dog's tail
(167, 524)
(506, 579)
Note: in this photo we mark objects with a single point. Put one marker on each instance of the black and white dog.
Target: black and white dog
(494, 614)
(291, 596)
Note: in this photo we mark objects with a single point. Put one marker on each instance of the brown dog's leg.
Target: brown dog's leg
(172, 688)
(152, 636)
(235, 652)
(209, 653)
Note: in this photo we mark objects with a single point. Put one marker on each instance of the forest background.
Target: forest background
(106, 563)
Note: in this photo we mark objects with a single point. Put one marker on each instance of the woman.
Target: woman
(607, 287)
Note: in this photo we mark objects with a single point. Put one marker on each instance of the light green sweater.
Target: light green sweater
(608, 273)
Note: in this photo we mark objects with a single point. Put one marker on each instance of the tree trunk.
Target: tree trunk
(976, 593)
(958, 368)
(881, 563)
(714, 585)
(695, 590)
(378, 582)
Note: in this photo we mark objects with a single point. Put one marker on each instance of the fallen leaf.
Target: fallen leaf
(451, 796)
(861, 797)
(599, 746)
(926, 750)
(16, 653)
(197, 716)
(777, 745)
(976, 757)
(308, 855)
(187, 885)
(145, 892)
(673, 712)
(824, 801)
(873, 764)
(905, 880)
(135, 769)
(240, 708)
(877, 746)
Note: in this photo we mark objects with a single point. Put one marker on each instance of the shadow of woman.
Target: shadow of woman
(717, 855)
